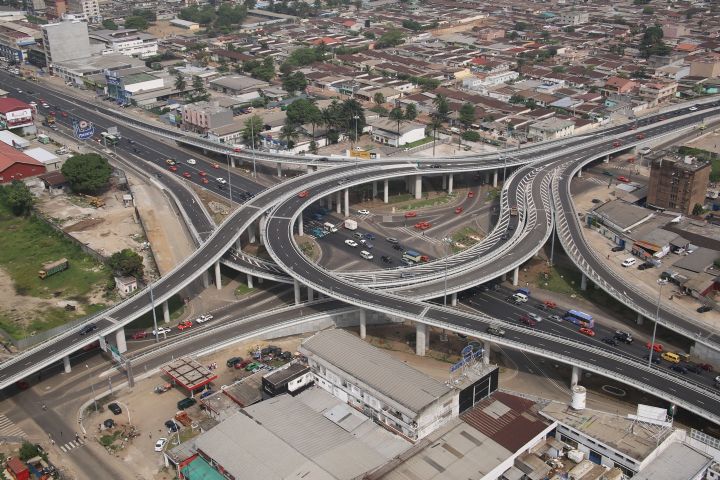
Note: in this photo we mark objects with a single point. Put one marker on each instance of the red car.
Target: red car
(587, 331)
(173, 168)
(424, 258)
(632, 127)
(550, 304)
(205, 181)
(623, 179)
(423, 225)
(303, 194)
(527, 321)
(243, 364)
(187, 175)
(64, 114)
(640, 136)
(410, 214)
(616, 143)
(656, 347)
(202, 173)
(458, 209)
(215, 165)
(139, 335)
(184, 325)
(471, 194)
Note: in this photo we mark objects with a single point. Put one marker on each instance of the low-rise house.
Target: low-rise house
(386, 132)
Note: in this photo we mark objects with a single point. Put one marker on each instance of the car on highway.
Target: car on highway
(363, 212)
(161, 331)
(629, 262)
(406, 262)
(173, 168)
(160, 444)
(370, 236)
(204, 181)
(527, 320)
(623, 178)
(204, 318)
(191, 161)
(640, 136)
(351, 243)
(657, 347)
(497, 331)
(392, 240)
(237, 148)
(694, 368)
(458, 210)
(610, 341)
(654, 359)
(88, 329)
(616, 143)
(555, 318)
(671, 357)
(693, 108)
(535, 317)
(587, 331)
(202, 173)
(187, 174)
(64, 114)
(423, 225)
(114, 408)
(216, 165)
(303, 194)
(623, 336)
(184, 325)
(221, 180)
(170, 161)
(471, 194)
(358, 235)
(410, 214)
(679, 369)
(366, 255)
(139, 335)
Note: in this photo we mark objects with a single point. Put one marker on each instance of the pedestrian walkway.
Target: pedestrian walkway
(71, 445)
(419, 235)
(9, 429)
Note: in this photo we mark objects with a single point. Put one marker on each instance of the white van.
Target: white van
(366, 255)
(520, 297)
(329, 227)
(629, 262)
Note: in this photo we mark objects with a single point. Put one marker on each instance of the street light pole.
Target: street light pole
(657, 317)
(356, 117)
(446, 241)
(152, 305)
(252, 139)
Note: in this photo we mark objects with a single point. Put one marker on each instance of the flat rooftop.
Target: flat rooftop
(676, 462)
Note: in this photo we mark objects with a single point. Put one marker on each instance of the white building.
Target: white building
(126, 42)
(396, 395)
(573, 18)
(481, 81)
(66, 40)
(86, 9)
(386, 132)
(551, 128)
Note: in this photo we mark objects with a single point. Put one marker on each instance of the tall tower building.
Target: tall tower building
(678, 183)
(66, 40)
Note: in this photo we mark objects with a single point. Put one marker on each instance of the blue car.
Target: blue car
(370, 236)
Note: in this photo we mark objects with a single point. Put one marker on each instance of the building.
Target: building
(618, 85)
(551, 128)
(203, 116)
(15, 40)
(292, 378)
(481, 80)
(15, 114)
(123, 87)
(86, 9)
(15, 165)
(705, 67)
(386, 132)
(55, 8)
(658, 92)
(17, 469)
(573, 18)
(80, 70)
(678, 184)
(126, 285)
(126, 42)
(238, 84)
(192, 26)
(396, 395)
(66, 40)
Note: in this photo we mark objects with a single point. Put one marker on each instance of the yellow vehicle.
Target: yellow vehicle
(671, 357)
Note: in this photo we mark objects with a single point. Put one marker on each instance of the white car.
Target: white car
(535, 317)
(363, 212)
(204, 318)
(366, 255)
(351, 243)
(221, 180)
(628, 262)
(692, 109)
(644, 150)
(191, 161)
(160, 444)
(161, 331)
(555, 318)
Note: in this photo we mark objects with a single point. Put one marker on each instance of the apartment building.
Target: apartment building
(66, 40)
(126, 42)
(203, 116)
(87, 9)
(678, 183)
(658, 92)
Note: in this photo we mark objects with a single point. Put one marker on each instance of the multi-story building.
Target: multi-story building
(203, 116)
(123, 86)
(551, 128)
(126, 42)
(658, 92)
(55, 8)
(678, 183)
(573, 18)
(15, 114)
(15, 39)
(707, 67)
(66, 40)
(88, 9)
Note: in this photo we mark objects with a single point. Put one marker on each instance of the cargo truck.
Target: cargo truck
(351, 224)
(51, 268)
(329, 227)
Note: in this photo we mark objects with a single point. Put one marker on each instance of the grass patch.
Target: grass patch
(175, 305)
(464, 238)
(107, 440)
(417, 143)
(428, 202)
(402, 197)
(243, 289)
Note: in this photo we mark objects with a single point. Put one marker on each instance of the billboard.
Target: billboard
(83, 129)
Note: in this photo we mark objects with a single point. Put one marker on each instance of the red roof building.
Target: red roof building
(14, 113)
(15, 165)
(18, 469)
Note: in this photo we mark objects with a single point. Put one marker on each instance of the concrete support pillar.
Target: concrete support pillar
(120, 341)
(640, 319)
(575, 376)
(218, 277)
(251, 232)
(311, 294)
(249, 281)
(516, 276)
(418, 187)
(386, 193)
(261, 223)
(66, 364)
(363, 323)
(487, 178)
(339, 203)
(205, 279)
(450, 182)
(453, 300)
(300, 224)
(375, 190)
(279, 170)
(166, 311)
(444, 182)
(495, 178)
(420, 339)
(486, 353)
(606, 159)
(232, 162)
(347, 202)
(583, 282)
(579, 175)
(238, 245)
(296, 286)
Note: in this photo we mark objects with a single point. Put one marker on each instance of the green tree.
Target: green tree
(254, 126)
(442, 108)
(294, 82)
(698, 210)
(87, 173)
(470, 136)
(352, 117)
(109, 24)
(289, 133)
(304, 111)
(411, 111)
(18, 197)
(648, 11)
(126, 262)
(180, 82)
(412, 25)
(147, 14)
(138, 23)
(28, 451)
(313, 147)
(378, 98)
(398, 116)
(466, 115)
(391, 38)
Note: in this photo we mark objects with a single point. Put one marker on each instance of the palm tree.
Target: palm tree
(180, 82)
(397, 115)
(289, 133)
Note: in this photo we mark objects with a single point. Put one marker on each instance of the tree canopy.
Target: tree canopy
(127, 262)
(17, 197)
(109, 24)
(138, 23)
(254, 126)
(466, 115)
(87, 173)
(294, 82)
(391, 38)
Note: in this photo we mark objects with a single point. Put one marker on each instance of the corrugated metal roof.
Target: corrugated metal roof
(376, 369)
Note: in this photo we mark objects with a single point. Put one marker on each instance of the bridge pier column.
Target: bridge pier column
(120, 341)
(606, 159)
(251, 232)
(347, 202)
(575, 376)
(339, 203)
(640, 319)
(238, 245)
(66, 364)
(232, 162)
(451, 177)
(420, 339)
(495, 178)
(363, 323)
(486, 353)
(487, 178)
(311, 294)
(579, 175)
(375, 190)
(218, 277)
(453, 300)
(249, 281)
(583, 282)
(516, 276)
(296, 287)
(418, 187)
(386, 193)
(261, 223)
(444, 182)
(300, 224)
(205, 279)
(166, 310)
(279, 170)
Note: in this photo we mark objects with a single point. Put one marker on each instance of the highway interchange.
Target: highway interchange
(284, 205)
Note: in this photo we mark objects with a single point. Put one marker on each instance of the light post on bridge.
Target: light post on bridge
(252, 139)
(447, 241)
(651, 355)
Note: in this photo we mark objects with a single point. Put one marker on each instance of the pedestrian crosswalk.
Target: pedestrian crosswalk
(419, 235)
(9, 429)
(72, 445)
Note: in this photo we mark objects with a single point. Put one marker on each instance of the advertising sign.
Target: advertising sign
(83, 129)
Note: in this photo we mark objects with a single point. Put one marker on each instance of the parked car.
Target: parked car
(172, 426)
(186, 403)
(351, 243)
(617, 249)
(629, 262)
(160, 444)
(233, 361)
(139, 335)
(115, 408)
(645, 266)
(587, 331)
(366, 255)
(704, 308)
(363, 212)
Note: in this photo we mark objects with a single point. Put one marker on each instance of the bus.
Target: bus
(579, 318)
(109, 140)
(412, 255)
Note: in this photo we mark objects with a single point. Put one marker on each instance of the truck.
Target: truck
(521, 295)
(350, 224)
(513, 211)
(52, 268)
(329, 227)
